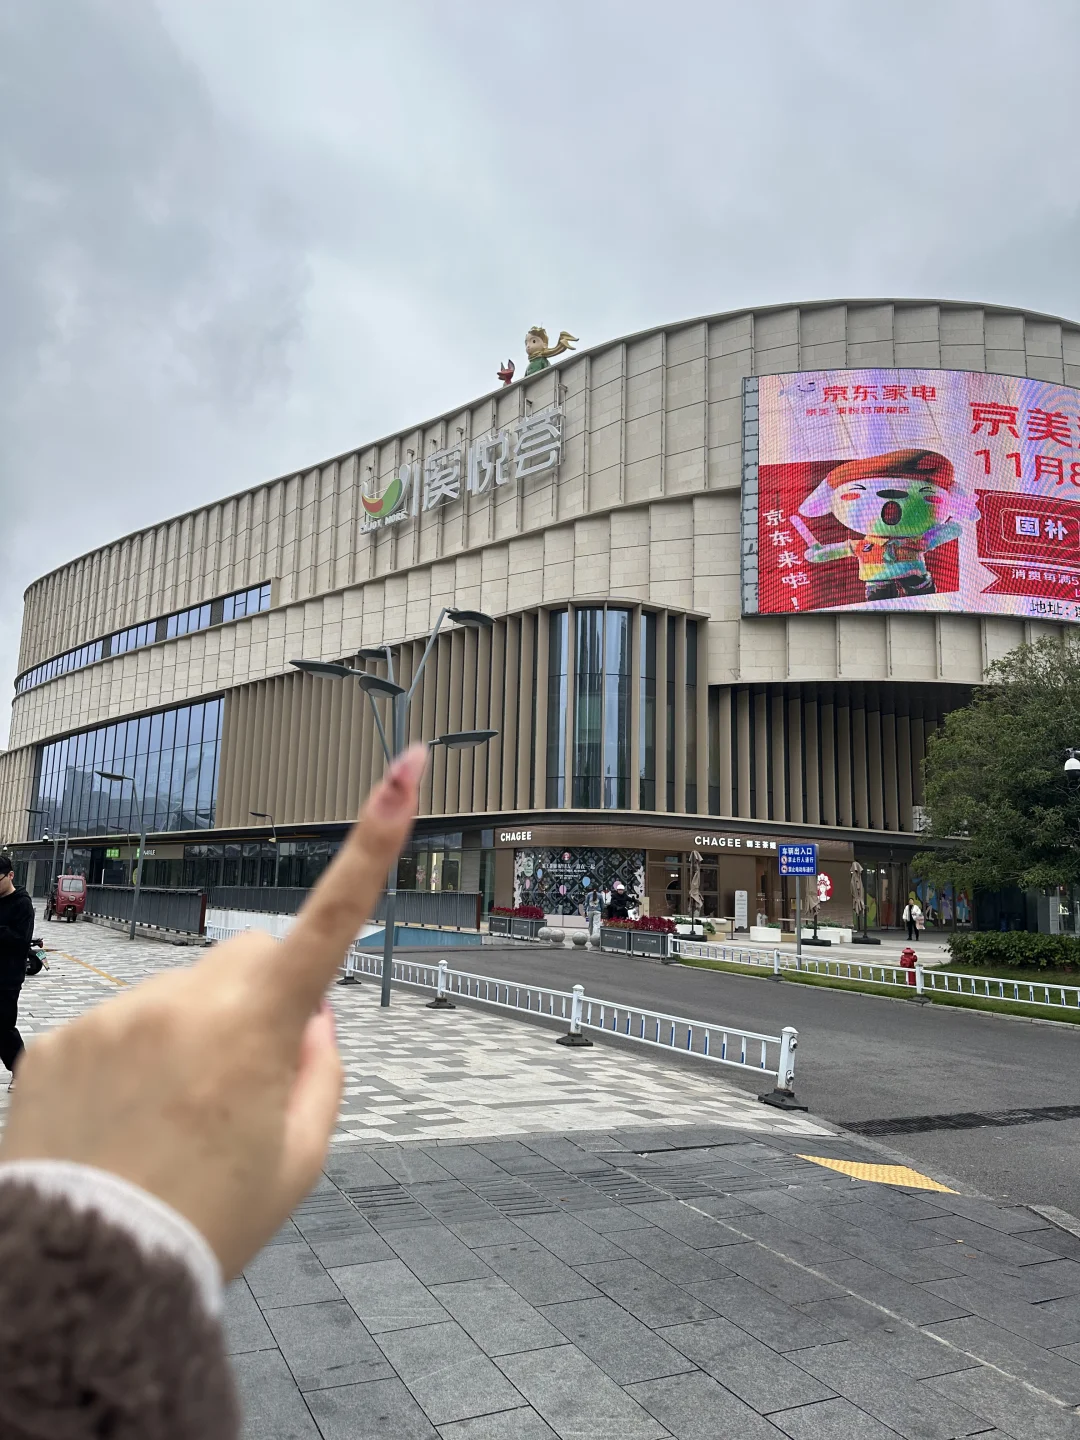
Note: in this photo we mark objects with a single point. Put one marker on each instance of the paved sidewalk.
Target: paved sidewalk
(689, 1274)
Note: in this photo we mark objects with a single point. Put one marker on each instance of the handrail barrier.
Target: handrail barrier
(455, 909)
(181, 911)
(926, 981)
(733, 1046)
(730, 1045)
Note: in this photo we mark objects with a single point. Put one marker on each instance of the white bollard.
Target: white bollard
(920, 997)
(442, 1000)
(574, 1036)
(776, 965)
(349, 977)
(783, 1096)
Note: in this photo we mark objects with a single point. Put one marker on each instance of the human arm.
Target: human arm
(212, 1091)
(939, 534)
(20, 929)
(816, 553)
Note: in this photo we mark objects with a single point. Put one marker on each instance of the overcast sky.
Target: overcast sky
(238, 236)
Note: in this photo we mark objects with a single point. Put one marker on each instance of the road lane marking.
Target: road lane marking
(881, 1174)
(87, 966)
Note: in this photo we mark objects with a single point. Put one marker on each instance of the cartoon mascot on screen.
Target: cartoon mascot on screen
(900, 507)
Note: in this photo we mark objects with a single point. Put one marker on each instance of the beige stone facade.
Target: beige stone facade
(642, 513)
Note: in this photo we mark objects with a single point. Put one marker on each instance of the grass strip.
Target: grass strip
(1068, 1015)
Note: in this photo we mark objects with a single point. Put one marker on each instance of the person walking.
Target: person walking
(16, 933)
(912, 916)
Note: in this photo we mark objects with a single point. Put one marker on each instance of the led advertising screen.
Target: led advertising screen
(880, 490)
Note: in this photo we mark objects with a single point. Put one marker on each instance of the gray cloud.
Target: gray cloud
(237, 237)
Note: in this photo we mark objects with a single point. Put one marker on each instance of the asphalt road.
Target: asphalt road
(867, 1058)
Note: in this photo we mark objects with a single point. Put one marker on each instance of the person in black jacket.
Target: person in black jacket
(16, 933)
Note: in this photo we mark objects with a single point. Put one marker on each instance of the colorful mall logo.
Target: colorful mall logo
(532, 446)
(381, 507)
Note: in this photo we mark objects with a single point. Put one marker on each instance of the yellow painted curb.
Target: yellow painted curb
(881, 1174)
(76, 961)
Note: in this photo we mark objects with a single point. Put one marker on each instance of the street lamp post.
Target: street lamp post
(265, 815)
(36, 810)
(116, 777)
(394, 743)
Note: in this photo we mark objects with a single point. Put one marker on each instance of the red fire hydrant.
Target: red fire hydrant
(908, 961)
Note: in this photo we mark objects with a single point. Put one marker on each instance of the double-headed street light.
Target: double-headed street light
(376, 687)
(115, 777)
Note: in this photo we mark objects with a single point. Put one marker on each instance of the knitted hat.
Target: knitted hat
(925, 465)
(901, 464)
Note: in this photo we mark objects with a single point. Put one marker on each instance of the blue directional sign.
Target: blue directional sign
(798, 859)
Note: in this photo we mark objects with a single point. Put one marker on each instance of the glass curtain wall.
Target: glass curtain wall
(647, 715)
(616, 709)
(602, 709)
(691, 715)
(171, 756)
(670, 700)
(558, 642)
(588, 707)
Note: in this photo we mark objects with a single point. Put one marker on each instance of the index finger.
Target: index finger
(310, 955)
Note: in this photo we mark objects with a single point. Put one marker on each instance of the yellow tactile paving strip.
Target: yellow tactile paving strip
(86, 966)
(881, 1174)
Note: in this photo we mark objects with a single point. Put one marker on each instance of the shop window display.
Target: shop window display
(559, 880)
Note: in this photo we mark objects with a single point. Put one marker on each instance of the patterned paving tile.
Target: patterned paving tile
(413, 1073)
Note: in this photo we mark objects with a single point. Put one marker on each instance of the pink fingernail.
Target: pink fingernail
(405, 767)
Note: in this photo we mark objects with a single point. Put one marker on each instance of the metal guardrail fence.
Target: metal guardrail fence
(159, 909)
(734, 1046)
(259, 899)
(926, 982)
(772, 1055)
(456, 909)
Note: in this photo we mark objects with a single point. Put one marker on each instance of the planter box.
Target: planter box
(766, 934)
(635, 942)
(649, 942)
(513, 925)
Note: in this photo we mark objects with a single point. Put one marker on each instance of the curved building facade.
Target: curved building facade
(739, 568)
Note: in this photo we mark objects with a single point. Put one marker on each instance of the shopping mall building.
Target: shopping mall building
(739, 568)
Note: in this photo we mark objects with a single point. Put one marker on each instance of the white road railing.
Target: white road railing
(771, 1055)
(926, 982)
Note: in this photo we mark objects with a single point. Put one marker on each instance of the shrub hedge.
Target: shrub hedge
(1025, 949)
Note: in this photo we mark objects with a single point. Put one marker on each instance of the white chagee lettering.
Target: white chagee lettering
(509, 836)
(537, 443)
(442, 477)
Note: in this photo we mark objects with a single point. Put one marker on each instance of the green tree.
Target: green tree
(995, 779)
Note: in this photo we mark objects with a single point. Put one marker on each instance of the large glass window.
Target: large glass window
(601, 709)
(616, 710)
(647, 715)
(172, 758)
(588, 707)
(671, 632)
(558, 641)
(691, 715)
(183, 622)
